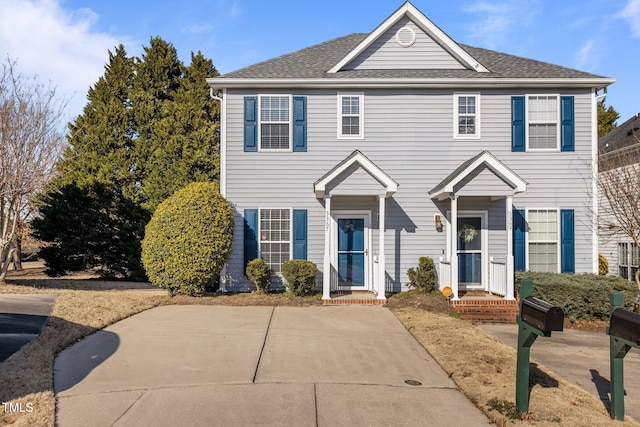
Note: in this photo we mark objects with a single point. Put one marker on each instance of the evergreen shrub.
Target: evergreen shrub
(260, 274)
(423, 277)
(581, 296)
(603, 265)
(300, 276)
(188, 240)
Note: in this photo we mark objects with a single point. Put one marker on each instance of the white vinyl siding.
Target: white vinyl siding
(466, 115)
(275, 237)
(350, 116)
(275, 126)
(543, 117)
(543, 240)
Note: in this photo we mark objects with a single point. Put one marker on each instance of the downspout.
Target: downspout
(216, 97)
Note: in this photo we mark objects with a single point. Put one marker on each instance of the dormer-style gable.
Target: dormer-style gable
(408, 40)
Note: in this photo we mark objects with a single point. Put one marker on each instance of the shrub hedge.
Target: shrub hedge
(188, 240)
(300, 276)
(581, 296)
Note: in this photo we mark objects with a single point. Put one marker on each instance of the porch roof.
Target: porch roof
(358, 160)
(466, 170)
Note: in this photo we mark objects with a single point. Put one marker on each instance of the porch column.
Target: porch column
(326, 276)
(381, 258)
(454, 246)
(509, 224)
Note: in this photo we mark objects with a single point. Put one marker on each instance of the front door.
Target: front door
(352, 252)
(470, 251)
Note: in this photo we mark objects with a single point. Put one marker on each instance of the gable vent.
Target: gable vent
(406, 37)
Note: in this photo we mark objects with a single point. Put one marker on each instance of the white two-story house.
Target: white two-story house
(366, 152)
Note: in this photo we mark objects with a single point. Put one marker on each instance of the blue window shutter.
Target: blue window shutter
(250, 123)
(519, 240)
(250, 235)
(567, 241)
(299, 123)
(518, 123)
(567, 127)
(299, 234)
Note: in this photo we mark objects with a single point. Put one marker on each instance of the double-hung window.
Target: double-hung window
(275, 122)
(628, 260)
(543, 240)
(350, 116)
(466, 115)
(275, 237)
(543, 122)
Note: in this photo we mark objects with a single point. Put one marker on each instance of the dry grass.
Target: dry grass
(82, 307)
(483, 371)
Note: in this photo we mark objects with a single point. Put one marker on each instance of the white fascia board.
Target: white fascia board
(445, 83)
(390, 185)
(426, 25)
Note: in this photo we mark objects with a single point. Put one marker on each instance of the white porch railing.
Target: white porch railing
(497, 277)
(444, 273)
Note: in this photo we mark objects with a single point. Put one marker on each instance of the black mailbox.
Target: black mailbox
(626, 325)
(542, 315)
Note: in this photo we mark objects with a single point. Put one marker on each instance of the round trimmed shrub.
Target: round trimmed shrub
(188, 240)
(300, 276)
(260, 274)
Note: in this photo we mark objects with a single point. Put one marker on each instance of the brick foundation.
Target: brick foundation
(486, 311)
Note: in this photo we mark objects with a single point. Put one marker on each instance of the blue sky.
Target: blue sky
(66, 41)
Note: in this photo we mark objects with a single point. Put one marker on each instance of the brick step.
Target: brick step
(487, 311)
(353, 301)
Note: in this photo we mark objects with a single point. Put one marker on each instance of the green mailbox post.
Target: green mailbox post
(536, 318)
(624, 334)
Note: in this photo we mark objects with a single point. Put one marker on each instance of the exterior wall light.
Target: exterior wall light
(438, 221)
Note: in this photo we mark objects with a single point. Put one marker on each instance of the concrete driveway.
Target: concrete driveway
(22, 317)
(581, 358)
(239, 366)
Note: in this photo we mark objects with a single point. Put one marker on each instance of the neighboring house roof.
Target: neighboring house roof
(329, 64)
(486, 159)
(621, 146)
(623, 136)
(356, 158)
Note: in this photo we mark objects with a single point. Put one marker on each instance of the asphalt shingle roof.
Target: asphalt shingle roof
(313, 62)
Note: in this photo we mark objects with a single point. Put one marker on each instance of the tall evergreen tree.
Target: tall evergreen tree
(606, 119)
(184, 140)
(147, 130)
(101, 139)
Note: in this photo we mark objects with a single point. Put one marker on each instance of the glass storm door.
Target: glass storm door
(470, 250)
(351, 252)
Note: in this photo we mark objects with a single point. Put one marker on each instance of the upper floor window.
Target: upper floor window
(543, 122)
(467, 113)
(350, 117)
(275, 126)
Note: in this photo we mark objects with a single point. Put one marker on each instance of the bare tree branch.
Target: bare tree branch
(31, 140)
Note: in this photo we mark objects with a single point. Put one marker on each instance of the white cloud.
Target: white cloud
(631, 13)
(57, 45)
(586, 56)
(496, 20)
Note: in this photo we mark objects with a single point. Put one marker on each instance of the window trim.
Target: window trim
(260, 122)
(360, 96)
(628, 263)
(456, 115)
(557, 241)
(290, 209)
(558, 147)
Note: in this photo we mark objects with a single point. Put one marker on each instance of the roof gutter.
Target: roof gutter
(342, 83)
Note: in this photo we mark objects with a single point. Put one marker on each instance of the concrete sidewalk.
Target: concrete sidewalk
(581, 358)
(239, 366)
